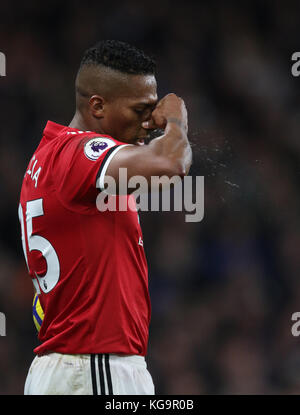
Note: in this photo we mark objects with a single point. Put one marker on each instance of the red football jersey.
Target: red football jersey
(89, 266)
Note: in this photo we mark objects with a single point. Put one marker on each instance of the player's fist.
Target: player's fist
(169, 108)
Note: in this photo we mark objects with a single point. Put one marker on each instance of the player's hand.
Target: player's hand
(170, 108)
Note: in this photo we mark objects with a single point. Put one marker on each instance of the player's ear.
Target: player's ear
(96, 103)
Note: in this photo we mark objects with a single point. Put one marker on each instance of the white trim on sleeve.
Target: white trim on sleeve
(100, 180)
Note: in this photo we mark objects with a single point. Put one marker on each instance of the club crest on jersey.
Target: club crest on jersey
(96, 146)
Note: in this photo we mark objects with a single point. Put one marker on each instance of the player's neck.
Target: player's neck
(80, 123)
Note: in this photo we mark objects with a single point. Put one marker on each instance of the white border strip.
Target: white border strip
(100, 181)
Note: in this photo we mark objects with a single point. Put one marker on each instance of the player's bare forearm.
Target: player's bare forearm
(174, 146)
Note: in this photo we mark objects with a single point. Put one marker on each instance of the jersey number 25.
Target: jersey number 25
(46, 283)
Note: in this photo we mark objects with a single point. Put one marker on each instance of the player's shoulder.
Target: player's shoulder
(91, 144)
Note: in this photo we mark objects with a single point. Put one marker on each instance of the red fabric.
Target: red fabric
(100, 303)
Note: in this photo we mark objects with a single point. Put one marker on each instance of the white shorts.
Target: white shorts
(85, 374)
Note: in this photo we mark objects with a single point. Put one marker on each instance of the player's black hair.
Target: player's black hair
(121, 56)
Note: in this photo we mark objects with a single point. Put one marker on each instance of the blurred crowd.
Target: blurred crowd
(224, 289)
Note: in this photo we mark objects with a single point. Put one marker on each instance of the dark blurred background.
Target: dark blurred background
(223, 290)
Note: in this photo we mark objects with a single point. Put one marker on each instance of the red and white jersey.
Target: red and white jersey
(89, 266)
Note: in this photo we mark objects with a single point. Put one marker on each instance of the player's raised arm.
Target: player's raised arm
(169, 154)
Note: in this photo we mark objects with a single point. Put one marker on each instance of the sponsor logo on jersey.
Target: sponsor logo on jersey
(95, 147)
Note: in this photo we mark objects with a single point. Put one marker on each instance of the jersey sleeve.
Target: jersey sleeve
(78, 169)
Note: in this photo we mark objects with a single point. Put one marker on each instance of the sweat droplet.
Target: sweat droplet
(231, 184)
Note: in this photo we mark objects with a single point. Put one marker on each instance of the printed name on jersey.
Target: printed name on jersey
(95, 147)
(32, 171)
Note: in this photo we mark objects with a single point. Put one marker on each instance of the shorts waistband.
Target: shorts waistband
(132, 359)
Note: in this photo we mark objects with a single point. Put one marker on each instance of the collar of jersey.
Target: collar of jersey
(53, 129)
